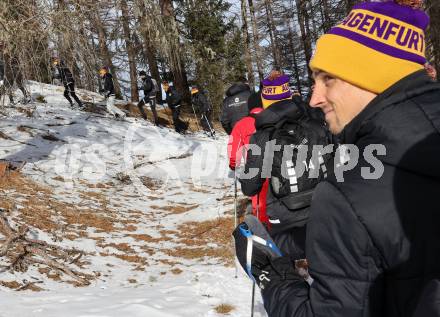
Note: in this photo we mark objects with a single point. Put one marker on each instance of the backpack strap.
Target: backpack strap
(298, 200)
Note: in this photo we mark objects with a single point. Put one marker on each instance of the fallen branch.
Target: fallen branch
(22, 252)
(7, 137)
(177, 157)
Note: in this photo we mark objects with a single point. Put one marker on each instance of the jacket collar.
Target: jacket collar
(408, 87)
(281, 110)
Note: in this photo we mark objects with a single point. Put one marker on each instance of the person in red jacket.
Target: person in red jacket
(237, 148)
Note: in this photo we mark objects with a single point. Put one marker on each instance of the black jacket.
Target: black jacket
(201, 103)
(173, 97)
(148, 87)
(64, 74)
(373, 245)
(235, 105)
(108, 86)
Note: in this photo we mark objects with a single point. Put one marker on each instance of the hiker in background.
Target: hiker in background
(203, 109)
(108, 91)
(63, 73)
(173, 99)
(237, 148)
(150, 88)
(287, 123)
(235, 104)
(12, 73)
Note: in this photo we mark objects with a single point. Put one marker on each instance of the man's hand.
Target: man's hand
(259, 256)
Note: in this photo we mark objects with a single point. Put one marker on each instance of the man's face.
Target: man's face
(339, 100)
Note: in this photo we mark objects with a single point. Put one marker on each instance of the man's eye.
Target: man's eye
(328, 79)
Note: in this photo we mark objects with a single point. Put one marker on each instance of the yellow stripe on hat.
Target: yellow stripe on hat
(360, 65)
(386, 30)
(275, 90)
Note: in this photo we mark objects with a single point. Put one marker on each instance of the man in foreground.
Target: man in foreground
(373, 238)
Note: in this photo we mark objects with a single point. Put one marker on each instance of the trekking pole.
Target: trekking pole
(195, 116)
(209, 126)
(235, 214)
(253, 284)
(253, 299)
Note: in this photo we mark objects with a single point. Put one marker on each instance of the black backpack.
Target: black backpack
(299, 166)
(148, 85)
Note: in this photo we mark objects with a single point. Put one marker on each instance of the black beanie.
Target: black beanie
(254, 101)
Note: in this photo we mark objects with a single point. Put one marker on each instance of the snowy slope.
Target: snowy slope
(151, 193)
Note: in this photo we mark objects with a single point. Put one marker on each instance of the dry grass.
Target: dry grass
(176, 208)
(176, 271)
(194, 238)
(11, 284)
(40, 209)
(224, 309)
(123, 247)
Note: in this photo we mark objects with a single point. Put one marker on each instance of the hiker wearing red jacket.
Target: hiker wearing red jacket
(237, 148)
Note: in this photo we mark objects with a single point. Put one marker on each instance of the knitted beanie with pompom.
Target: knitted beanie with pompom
(275, 88)
(376, 45)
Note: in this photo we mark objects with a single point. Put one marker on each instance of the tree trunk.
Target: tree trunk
(130, 51)
(327, 22)
(65, 49)
(177, 63)
(248, 56)
(148, 49)
(256, 41)
(433, 34)
(273, 35)
(105, 52)
(150, 56)
(292, 49)
(305, 33)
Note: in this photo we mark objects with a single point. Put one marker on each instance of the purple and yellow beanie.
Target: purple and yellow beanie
(378, 44)
(275, 88)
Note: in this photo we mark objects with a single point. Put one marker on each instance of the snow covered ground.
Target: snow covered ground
(159, 207)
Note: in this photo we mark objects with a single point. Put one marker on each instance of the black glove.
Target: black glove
(259, 256)
(101, 91)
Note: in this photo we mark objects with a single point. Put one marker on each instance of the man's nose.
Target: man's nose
(318, 99)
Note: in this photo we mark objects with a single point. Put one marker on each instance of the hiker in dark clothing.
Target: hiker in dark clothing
(108, 91)
(12, 73)
(203, 109)
(63, 73)
(150, 88)
(173, 99)
(235, 105)
(287, 210)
